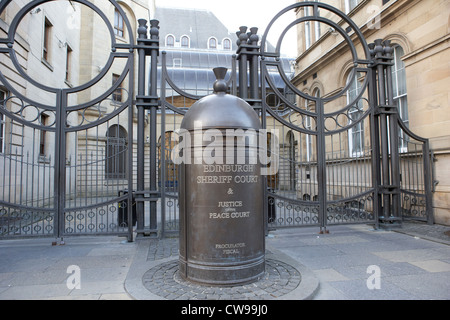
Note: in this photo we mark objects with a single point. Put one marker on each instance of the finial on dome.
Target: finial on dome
(220, 85)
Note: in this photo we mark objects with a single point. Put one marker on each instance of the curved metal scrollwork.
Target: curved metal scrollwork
(318, 172)
(48, 187)
(360, 65)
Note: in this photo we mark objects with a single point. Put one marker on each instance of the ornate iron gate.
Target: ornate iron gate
(335, 182)
(71, 166)
(319, 179)
(370, 180)
(67, 164)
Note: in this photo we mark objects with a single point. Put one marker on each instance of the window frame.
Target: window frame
(172, 37)
(228, 47)
(212, 40)
(308, 39)
(3, 96)
(117, 96)
(119, 24)
(43, 119)
(358, 129)
(116, 155)
(400, 99)
(185, 41)
(68, 75)
(47, 40)
(309, 137)
(350, 5)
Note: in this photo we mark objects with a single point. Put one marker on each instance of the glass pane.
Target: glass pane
(394, 82)
(194, 60)
(356, 136)
(398, 52)
(404, 110)
(178, 78)
(401, 78)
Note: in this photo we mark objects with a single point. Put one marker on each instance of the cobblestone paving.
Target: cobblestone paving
(161, 249)
(280, 278)
(165, 281)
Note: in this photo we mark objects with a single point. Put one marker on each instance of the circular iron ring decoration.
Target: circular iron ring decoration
(114, 46)
(355, 60)
(62, 93)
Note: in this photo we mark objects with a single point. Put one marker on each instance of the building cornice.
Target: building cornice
(427, 51)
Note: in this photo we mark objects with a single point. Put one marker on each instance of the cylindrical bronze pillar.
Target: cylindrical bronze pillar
(221, 191)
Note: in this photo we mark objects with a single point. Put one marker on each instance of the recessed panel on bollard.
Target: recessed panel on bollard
(221, 192)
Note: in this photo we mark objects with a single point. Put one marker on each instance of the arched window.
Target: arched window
(185, 42)
(355, 133)
(116, 153)
(212, 43)
(400, 96)
(170, 41)
(226, 44)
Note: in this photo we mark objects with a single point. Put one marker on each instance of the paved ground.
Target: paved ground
(350, 263)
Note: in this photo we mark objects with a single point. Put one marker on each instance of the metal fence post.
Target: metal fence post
(242, 57)
(375, 138)
(388, 115)
(60, 162)
(147, 47)
(378, 50)
(253, 59)
(154, 53)
(393, 134)
(142, 34)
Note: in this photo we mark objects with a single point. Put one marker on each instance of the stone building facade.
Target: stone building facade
(419, 34)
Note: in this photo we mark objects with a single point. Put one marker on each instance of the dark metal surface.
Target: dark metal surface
(333, 186)
(221, 203)
(324, 185)
(63, 194)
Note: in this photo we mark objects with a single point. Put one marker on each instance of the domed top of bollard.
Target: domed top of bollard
(220, 110)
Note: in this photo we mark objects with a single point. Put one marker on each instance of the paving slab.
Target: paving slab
(413, 264)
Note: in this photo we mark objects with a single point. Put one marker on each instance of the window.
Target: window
(226, 44)
(47, 40)
(291, 158)
(309, 36)
(350, 5)
(116, 153)
(43, 118)
(68, 63)
(355, 133)
(185, 41)
(117, 94)
(170, 41)
(400, 97)
(2, 123)
(177, 62)
(317, 29)
(307, 30)
(308, 125)
(119, 29)
(212, 43)
(171, 169)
